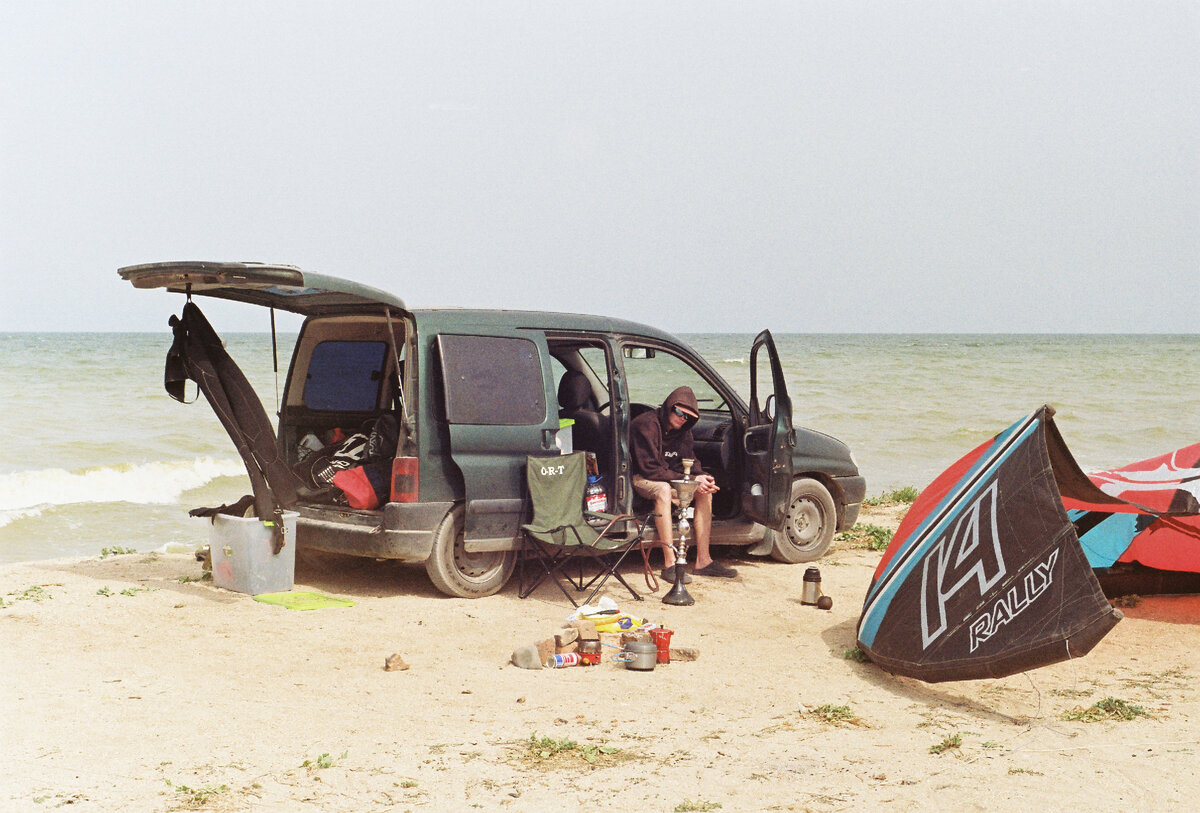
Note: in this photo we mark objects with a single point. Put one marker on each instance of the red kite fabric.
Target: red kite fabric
(1157, 525)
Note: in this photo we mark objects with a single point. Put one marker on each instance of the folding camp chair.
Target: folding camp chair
(559, 534)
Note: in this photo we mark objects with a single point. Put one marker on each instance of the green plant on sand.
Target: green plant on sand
(903, 495)
(836, 715)
(688, 806)
(323, 761)
(865, 535)
(545, 748)
(35, 593)
(948, 743)
(198, 797)
(116, 550)
(1110, 708)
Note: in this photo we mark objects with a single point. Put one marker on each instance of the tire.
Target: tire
(458, 573)
(810, 524)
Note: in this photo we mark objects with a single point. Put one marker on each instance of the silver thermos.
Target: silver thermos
(811, 591)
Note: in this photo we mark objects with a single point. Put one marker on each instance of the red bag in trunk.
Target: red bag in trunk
(357, 488)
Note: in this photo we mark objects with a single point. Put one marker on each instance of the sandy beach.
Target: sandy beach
(128, 684)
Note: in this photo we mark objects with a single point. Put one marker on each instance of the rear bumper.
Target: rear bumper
(402, 531)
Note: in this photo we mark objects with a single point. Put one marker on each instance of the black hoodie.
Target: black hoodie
(658, 451)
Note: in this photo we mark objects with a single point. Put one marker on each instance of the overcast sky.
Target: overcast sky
(802, 166)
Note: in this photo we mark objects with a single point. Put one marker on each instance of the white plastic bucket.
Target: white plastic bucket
(562, 438)
(242, 557)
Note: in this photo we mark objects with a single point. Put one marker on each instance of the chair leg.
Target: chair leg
(552, 566)
(611, 570)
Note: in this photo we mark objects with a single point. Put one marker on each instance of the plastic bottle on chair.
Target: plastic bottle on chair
(595, 498)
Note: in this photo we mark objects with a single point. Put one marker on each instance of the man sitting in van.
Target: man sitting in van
(661, 440)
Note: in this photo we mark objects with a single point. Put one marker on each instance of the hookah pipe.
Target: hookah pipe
(686, 488)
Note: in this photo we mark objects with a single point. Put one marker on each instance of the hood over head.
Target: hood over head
(684, 398)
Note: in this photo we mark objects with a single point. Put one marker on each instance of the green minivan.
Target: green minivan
(474, 392)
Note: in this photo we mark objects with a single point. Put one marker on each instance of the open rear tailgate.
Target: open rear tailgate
(283, 287)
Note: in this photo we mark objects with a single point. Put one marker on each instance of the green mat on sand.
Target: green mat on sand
(303, 601)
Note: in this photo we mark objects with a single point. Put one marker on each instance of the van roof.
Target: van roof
(443, 319)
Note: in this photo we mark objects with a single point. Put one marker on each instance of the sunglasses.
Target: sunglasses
(681, 413)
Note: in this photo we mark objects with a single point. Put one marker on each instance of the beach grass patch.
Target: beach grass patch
(105, 591)
(855, 654)
(905, 495)
(116, 550)
(949, 743)
(323, 761)
(133, 591)
(548, 752)
(866, 535)
(198, 797)
(1110, 708)
(687, 806)
(836, 715)
(35, 593)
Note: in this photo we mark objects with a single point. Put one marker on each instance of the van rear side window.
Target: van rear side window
(492, 380)
(345, 376)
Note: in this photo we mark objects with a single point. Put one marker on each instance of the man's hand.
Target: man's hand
(707, 485)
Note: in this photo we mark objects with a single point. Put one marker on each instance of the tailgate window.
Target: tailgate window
(345, 376)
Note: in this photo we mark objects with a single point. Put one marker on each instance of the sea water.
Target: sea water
(96, 455)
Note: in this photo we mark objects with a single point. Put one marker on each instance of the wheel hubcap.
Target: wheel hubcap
(475, 566)
(804, 522)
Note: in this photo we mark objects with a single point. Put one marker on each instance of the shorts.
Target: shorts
(647, 488)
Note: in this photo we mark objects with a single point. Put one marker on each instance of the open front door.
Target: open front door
(498, 410)
(769, 438)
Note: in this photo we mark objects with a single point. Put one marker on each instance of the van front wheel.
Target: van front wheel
(811, 521)
(459, 573)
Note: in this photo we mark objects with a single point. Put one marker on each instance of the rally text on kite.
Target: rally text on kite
(1015, 601)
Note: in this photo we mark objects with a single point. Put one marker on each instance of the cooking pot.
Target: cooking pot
(642, 655)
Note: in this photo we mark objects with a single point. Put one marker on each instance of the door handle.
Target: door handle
(548, 436)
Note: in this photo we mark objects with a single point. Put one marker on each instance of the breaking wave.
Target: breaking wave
(27, 493)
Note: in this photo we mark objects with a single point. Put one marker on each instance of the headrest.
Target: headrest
(575, 392)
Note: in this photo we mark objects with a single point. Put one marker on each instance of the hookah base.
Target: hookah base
(678, 596)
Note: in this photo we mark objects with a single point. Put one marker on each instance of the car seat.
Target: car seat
(591, 431)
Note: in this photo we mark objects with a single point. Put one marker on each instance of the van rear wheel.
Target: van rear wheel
(811, 521)
(456, 572)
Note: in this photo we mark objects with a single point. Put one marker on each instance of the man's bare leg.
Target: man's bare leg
(662, 523)
(702, 527)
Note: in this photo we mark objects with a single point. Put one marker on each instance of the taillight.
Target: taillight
(405, 475)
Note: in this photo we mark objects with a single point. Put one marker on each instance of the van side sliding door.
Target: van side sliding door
(499, 410)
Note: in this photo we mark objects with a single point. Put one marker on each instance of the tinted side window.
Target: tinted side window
(492, 380)
(345, 376)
